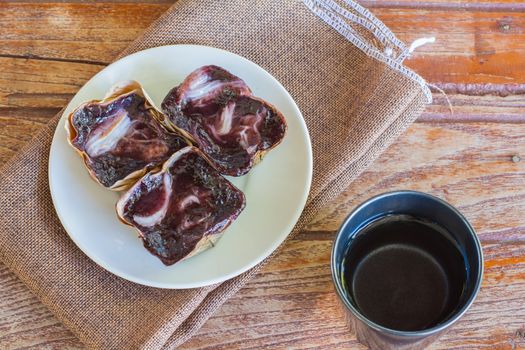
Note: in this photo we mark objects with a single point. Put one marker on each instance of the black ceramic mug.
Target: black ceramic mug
(406, 265)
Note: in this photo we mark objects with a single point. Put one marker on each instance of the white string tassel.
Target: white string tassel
(449, 104)
(415, 44)
(420, 42)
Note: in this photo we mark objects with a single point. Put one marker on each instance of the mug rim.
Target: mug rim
(425, 332)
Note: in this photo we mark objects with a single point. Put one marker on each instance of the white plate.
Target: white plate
(276, 189)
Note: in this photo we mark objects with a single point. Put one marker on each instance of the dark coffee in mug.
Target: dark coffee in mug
(406, 266)
(404, 273)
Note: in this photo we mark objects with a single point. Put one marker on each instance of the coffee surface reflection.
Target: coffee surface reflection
(404, 273)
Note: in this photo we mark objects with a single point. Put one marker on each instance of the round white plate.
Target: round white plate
(276, 189)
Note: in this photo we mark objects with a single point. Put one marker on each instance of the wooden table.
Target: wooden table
(474, 158)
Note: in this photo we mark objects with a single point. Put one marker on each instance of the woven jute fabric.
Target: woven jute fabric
(353, 104)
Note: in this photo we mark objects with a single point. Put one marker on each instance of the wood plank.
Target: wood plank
(25, 322)
(104, 1)
(292, 305)
(35, 83)
(470, 165)
(33, 91)
(16, 130)
(478, 61)
(473, 108)
(472, 46)
(449, 5)
(368, 3)
(27, 105)
(18, 125)
(74, 35)
(51, 84)
(291, 302)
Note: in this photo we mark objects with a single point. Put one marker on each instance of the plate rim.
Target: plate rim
(210, 281)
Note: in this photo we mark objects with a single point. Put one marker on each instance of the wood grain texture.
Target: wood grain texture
(473, 45)
(86, 32)
(25, 322)
(292, 303)
(474, 158)
(33, 91)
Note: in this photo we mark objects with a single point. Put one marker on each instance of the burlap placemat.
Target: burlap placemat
(356, 98)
